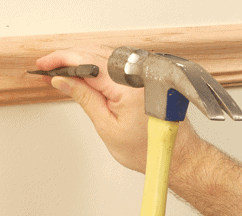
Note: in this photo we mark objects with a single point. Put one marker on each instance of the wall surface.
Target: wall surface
(52, 162)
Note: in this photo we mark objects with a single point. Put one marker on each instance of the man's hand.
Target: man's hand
(116, 111)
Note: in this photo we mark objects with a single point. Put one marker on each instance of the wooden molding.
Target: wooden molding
(216, 48)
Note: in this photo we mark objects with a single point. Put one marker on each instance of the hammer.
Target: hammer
(170, 82)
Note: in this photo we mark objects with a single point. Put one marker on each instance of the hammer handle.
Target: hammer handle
(161, 140)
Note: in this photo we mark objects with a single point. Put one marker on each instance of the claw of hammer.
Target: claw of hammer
(171, 80)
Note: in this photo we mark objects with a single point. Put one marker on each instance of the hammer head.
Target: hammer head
(170, 82)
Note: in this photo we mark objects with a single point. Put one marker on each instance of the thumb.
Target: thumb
(92, 101)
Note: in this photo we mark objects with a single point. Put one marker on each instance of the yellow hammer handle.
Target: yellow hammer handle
(161, 140)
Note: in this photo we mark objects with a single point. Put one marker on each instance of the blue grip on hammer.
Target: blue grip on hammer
(176, 106)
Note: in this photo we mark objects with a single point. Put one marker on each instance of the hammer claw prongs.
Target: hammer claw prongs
(205, 101)
(226, 102)
(212, 94)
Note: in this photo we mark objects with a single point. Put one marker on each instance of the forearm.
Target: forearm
(205, 177)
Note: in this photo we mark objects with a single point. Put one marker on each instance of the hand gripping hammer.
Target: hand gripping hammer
(170, 82)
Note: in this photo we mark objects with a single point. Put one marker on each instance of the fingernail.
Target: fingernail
(58, 83)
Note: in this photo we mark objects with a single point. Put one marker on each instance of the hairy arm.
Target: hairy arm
(204, 176)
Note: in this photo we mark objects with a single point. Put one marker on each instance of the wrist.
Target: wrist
(186, 146)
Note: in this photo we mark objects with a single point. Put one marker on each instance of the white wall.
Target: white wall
(52, 162)
(59, 16)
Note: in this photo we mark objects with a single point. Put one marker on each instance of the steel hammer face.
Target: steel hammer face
(170, 82)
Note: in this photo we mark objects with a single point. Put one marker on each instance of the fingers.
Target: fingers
(97, 55)
(75, 57)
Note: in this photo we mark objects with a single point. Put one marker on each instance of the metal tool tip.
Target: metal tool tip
(39, 72)
(32, 72)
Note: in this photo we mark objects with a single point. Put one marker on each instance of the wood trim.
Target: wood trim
(216, 48)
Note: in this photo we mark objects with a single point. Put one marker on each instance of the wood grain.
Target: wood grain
(216, 48)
